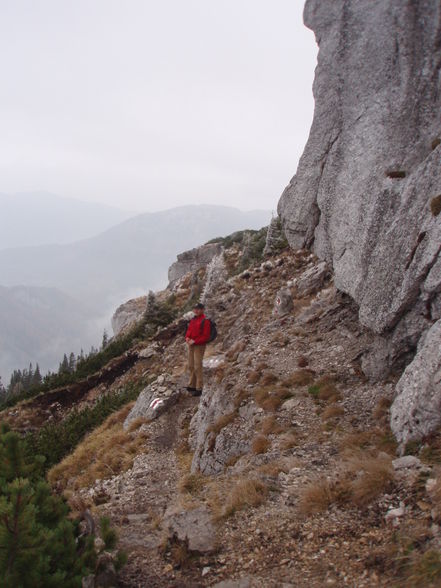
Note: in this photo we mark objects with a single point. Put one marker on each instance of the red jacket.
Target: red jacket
(194, 331)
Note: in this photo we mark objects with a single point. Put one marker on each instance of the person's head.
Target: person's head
(198, 309)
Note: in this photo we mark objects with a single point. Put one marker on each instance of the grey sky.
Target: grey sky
(149, 104)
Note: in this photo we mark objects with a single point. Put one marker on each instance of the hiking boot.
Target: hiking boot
(190, 389)
(196, 393)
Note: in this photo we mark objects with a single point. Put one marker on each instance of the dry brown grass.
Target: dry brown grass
(374, 475)
(261, 366)
(222, 422)
(253, 377)
(241, 395)
(270, 426)
(273, 468)
(316, 497)
(381, 410)
(260, 444)
(302, 361)
(268, 378)
(106, 452)
(246, 493)
(299, 378)
(288, 440)
(231, 461)
(269, 400)
(233, 353)
(370, 440)
(362, 479)
(192, 483)
(333, 411)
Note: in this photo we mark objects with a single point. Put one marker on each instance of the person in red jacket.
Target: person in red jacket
(197, 337)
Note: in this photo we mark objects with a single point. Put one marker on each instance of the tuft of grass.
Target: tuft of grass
(302, 361)
(240, 397)
(374, 476)
(316, 497)
(288, 440)
(268, 378)
(333, 411)
(253, 376)
(299, 378)
(192, 483)
(436, 141)
(324, 389)
(424, 570)
(381, 409)
(435, 205)
(270, 426)
(222, 422)
(260, 444)
(246, 493)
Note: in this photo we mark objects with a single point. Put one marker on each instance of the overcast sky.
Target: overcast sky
(149, 104)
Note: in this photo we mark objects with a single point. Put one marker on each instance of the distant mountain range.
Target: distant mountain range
(39, 218)
(40, 325)
(88, 279)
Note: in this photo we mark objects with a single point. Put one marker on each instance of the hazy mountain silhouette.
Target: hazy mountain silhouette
(88, 279)
(37, 218)
(40, 325)
(129, 258)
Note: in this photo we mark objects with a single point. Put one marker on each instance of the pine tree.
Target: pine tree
(39, 546)
(72, 363)
(105, 340)
(37, 379)
(64, 366)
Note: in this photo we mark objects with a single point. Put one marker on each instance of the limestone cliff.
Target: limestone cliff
(365, 194)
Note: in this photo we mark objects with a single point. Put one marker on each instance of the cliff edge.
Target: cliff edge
(366, 195)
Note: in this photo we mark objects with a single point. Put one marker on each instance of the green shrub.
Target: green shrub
(39, 546)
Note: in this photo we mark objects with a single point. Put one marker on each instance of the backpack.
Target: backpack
(213, 329)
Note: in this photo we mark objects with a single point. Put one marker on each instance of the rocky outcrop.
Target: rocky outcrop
(275, 238)
(127, 314)
(192, 260)
(364, 197)
(361, 197)
(155, 399)
(416, 411)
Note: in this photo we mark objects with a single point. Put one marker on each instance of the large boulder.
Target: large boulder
(416, 411)
(364, 195)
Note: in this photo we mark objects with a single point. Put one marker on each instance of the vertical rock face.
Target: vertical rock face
(363, 189)
(365, 196)
(417, 410)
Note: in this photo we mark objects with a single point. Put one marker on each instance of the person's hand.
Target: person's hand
(190, 342)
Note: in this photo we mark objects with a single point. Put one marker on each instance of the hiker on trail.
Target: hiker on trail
(197, 337)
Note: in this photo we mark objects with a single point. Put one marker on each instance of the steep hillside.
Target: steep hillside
(38, 218)
(284, 472)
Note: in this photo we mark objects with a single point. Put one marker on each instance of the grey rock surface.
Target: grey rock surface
(194, 526)
(213, 449)
(192, 260)
(275, 237)
(127, 314)
(313, 279)
(154, 400)
(361, 195)
(416, 411)
(283, 303)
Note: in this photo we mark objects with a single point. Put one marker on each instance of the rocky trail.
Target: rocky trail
(283, 472)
